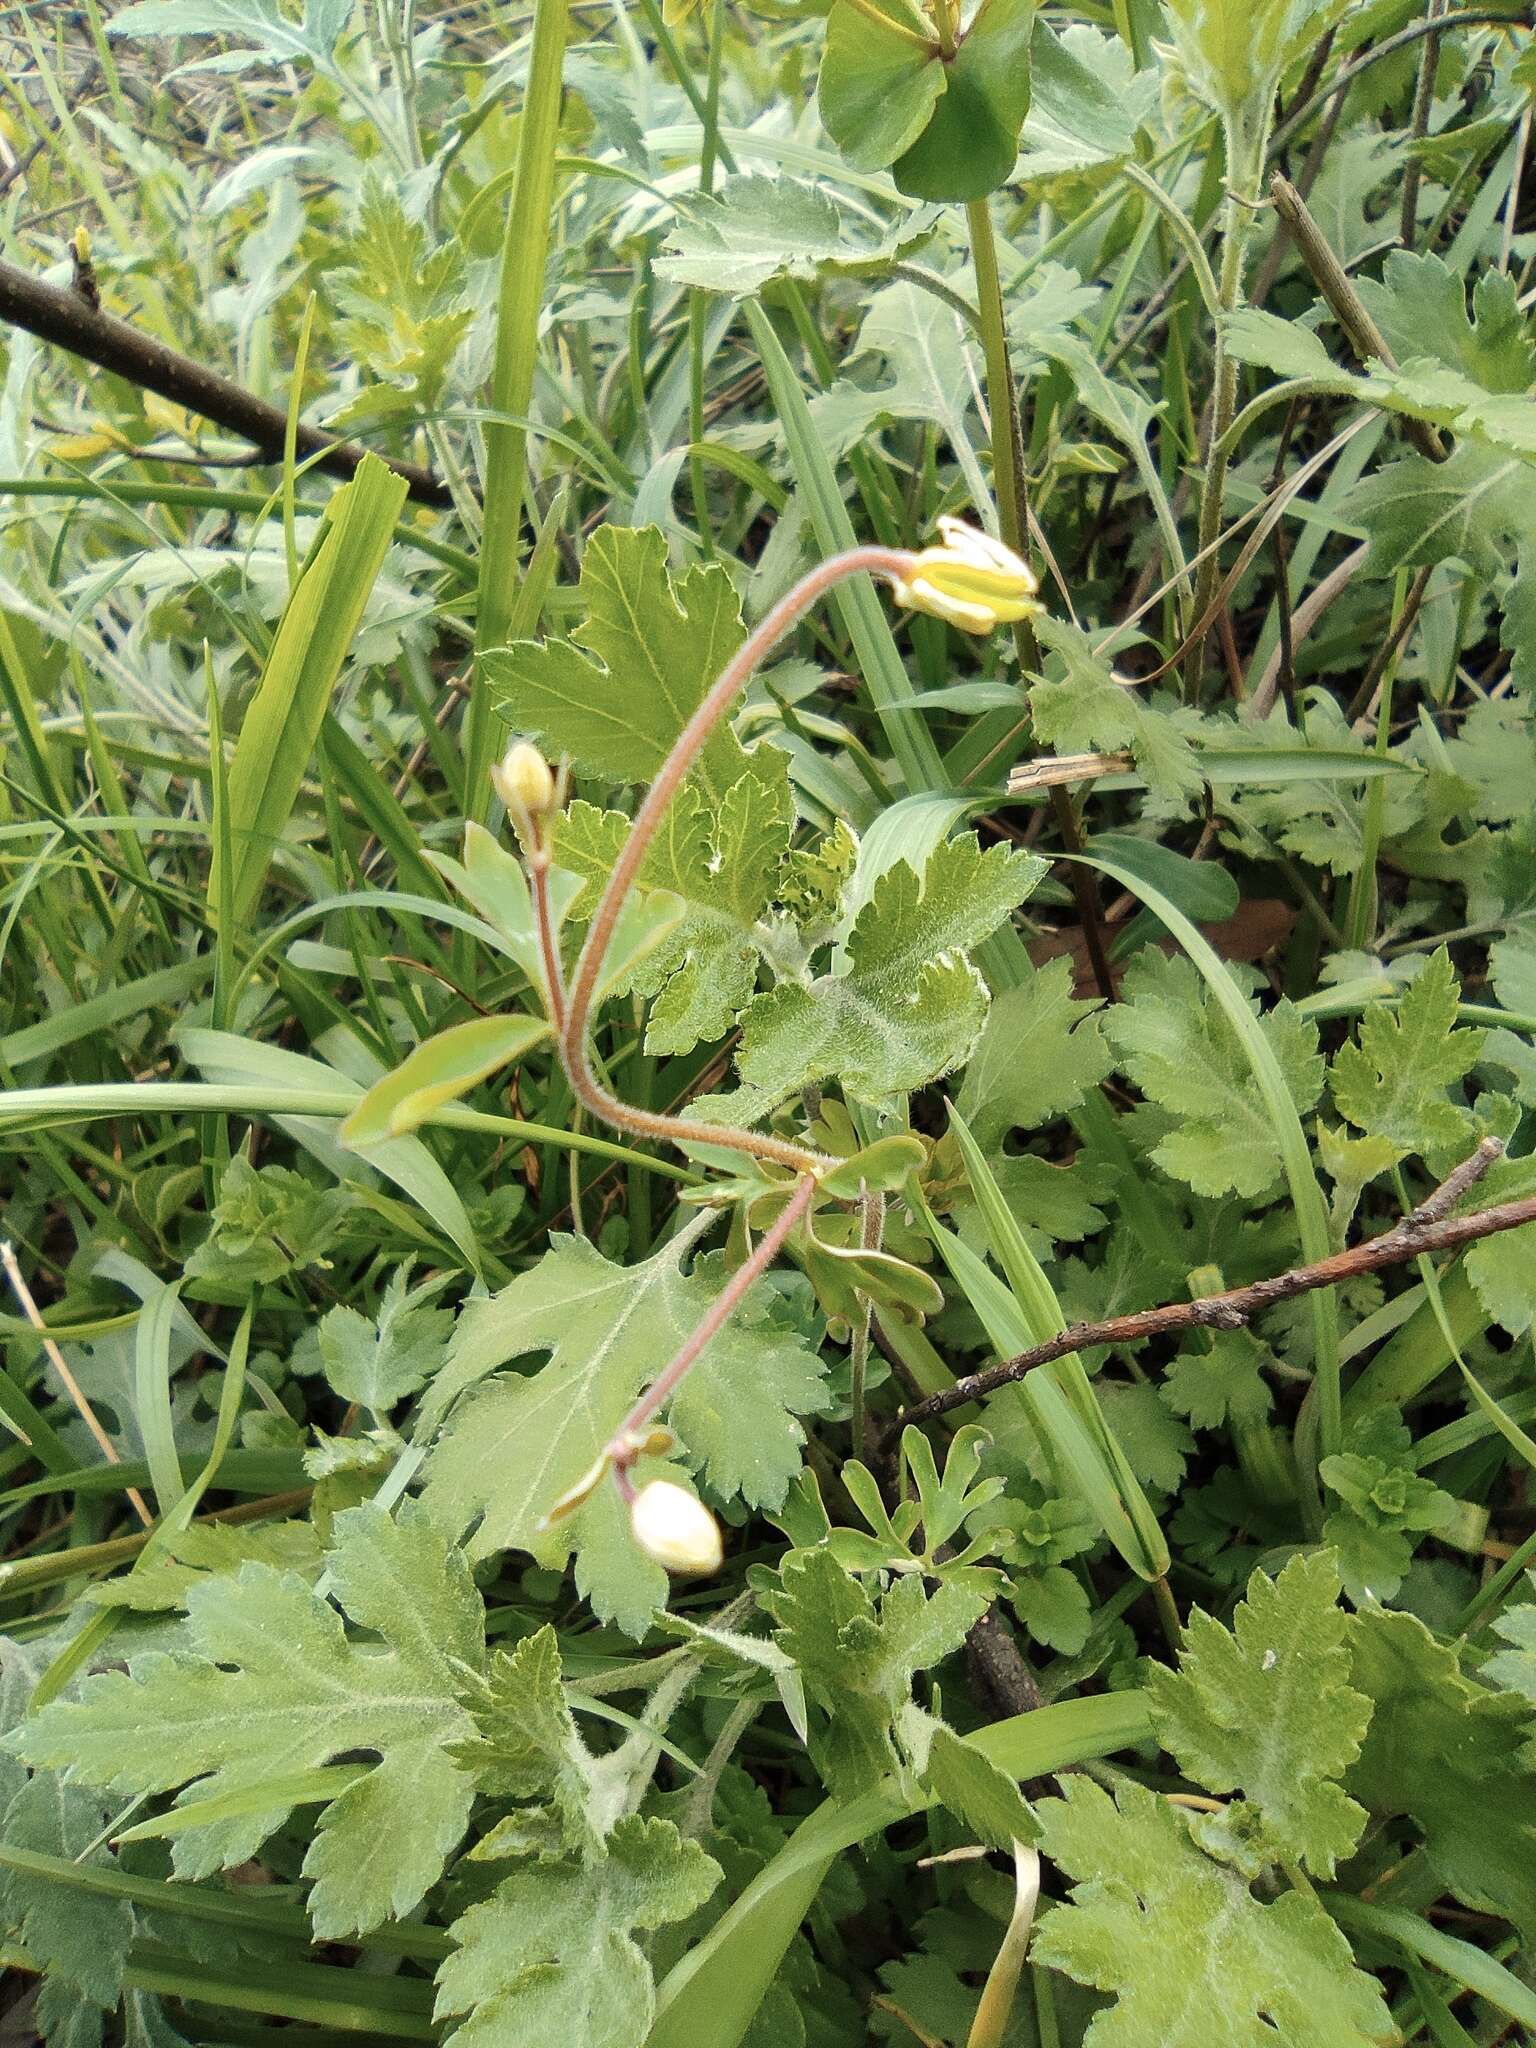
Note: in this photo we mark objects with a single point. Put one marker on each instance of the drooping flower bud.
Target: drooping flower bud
(970, 581)
(675, 1529)
(523, 780)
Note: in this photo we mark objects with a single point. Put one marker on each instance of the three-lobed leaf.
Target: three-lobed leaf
(1176, 1937)
(1265, 1708)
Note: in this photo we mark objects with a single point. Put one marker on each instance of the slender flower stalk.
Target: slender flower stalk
(972, 582)
(631, 1431)
(893, 564)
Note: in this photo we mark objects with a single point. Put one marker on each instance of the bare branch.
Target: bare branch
(66, 319)
(1425, 1229)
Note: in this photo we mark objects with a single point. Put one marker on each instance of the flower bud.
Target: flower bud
(675, 1529)
(970, 581)
(523, 780)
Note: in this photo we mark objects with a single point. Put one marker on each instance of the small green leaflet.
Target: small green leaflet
(1384, 1502)
(1321, 816)
(858, 1659)
(551, 1955)
(511, 1449)
(724, 861)
(1421, 389)
(1420, 304)
(81, 1940)
(1477, 506)
(1266, 1709)
(1067, 1057)
(1514, 1669)
(1081, 707)
(379, 1362)
(265, 1683)
(911, 1004)
(1184, 1056)
(617, 693)
(406, 311)
(1177, 1938)
(1475, 1805)
(757, 228)
(526, 1748)
(1394, 1082)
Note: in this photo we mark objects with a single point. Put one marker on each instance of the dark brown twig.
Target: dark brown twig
(69, 322)
(1348, 308)
(1428, 1228)
(1423, 104)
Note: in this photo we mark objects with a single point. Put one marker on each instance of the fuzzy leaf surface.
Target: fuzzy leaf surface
(911, 1004)
(519, 1441)
(1266, 1708)
(551, 1955)
(1176, 1937)
(263, 1682)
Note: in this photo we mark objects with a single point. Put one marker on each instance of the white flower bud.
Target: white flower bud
(675, 1529)
(523, 780)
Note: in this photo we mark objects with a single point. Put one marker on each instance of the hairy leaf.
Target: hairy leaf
(911, 1004)
(1266, 1709)
(511, 1450)
(551, 1955)
(264, 1682)
(1177, 1938)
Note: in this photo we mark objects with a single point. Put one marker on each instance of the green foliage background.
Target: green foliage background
(1182, 937)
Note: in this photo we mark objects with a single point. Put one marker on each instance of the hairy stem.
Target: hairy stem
(891, 563)
(619, 1448)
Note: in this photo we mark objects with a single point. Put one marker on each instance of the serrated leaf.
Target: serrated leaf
(1266, 1709)
(925, 346)
(1220, 1383)
(551, 1956)
(525, 1744)
(1477, 505)
(1502, 1268)
(1176, 1937)
(265, 1682)
(723, 860)
(910, 1005)
(511, 1450)
(1420, 305)
(858, 1659)
(1184, 1055)
(1080, 707)
(79, 1939)
(617, 693)
(1041, 1053)
(1087, 104)
(1393, 1082)
(378, 1362)
(1441, 1750)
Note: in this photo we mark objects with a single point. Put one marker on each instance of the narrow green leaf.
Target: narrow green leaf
(441, 1069)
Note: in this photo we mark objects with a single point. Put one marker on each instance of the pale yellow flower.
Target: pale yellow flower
(969, 580)
(524, 781)
(675, 1529)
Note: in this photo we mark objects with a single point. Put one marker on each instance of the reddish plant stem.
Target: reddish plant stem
(891, 563)
(620, 1447)
(1428, 1229)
